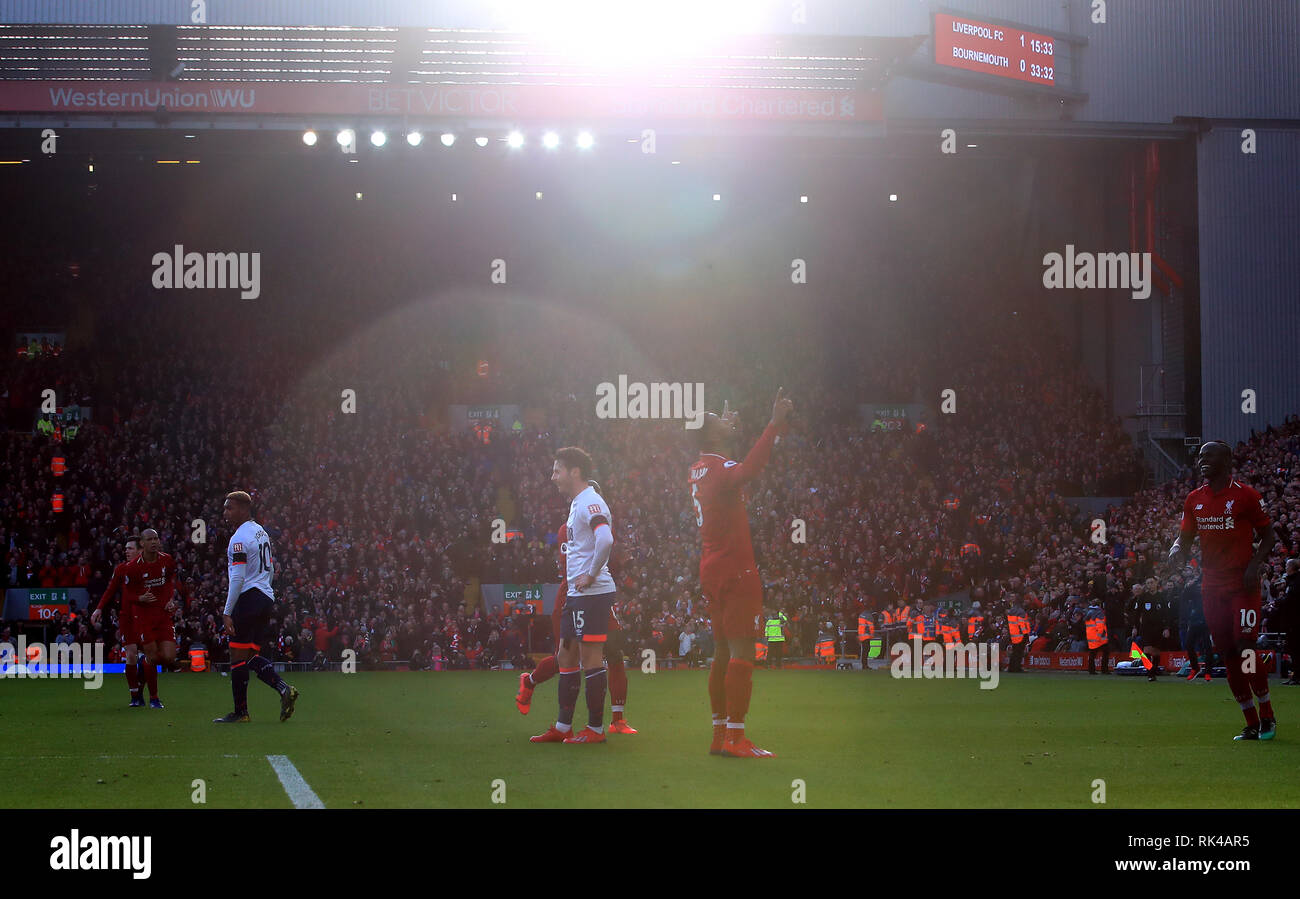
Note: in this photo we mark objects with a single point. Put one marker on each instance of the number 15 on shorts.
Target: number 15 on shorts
(577, 621)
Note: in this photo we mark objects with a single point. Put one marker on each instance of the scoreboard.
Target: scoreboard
(1001, 50)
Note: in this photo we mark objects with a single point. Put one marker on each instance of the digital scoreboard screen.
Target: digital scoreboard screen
(1000, 50)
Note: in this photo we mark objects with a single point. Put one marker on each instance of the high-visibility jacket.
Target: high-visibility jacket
(198, 659)
(825, 649)
(866, 628)
(949, 633)
(1095, 624)
(887, 617)
(58, 466)
(973, 624)
(57, 502)
(772, 630)
(903, 614)
(760, 651)
(1018, 625)
(951, 503)
(915, 627)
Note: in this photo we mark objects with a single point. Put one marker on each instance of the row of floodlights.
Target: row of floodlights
(515, 139)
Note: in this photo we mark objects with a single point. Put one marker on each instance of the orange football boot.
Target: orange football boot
(741, 747)
(719, 737)
(524, 698)
(586, 735)
(551, 736)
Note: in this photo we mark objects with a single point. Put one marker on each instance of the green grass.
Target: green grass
(380, 740)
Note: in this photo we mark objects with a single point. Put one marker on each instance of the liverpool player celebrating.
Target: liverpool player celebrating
(547, 667)
(1227, 516)
(590, 598)
(728, 575)
(249, 601)
(125, 622)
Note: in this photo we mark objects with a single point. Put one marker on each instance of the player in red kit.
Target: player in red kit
(729, 576)
(1227, 516)
(125, 623)
(548, 667)
(151, 579)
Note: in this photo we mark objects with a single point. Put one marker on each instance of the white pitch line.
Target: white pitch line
(101, 756)
(300, 793)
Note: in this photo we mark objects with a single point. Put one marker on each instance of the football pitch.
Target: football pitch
(455, 739)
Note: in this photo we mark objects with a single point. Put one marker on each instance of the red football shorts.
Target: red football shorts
(1233, 616)
(156, 628)
(126, 626)
(734, 605)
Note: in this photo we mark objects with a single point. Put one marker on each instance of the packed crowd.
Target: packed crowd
(381, 517)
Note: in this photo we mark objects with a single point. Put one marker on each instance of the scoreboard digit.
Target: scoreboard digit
(1003, 51)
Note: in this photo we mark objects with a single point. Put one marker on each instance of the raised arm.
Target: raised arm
(734, 475)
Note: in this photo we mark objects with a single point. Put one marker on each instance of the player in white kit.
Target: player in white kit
(585, 623)
(249, 602)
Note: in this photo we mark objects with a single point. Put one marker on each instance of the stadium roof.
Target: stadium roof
(385, 55)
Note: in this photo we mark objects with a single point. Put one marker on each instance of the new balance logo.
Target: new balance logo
(78, 853)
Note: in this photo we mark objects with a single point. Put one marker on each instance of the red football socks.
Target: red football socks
(740, 683)
(617, 686)
(718, 687)
(151, 679)
(544, 671)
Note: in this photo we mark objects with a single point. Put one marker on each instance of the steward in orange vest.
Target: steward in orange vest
(974, 624)
(866, 628)
(867, 633)
(1018, 628)
(931, 625)
(1094, 620)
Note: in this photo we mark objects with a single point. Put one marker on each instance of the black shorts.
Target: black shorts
(252, 615)
(586, 618)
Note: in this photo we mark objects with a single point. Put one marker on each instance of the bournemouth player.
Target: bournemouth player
(249, 601)
(729, 576)
(1227, 516)
(590, 596)
(614, 648)
(132, 667)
